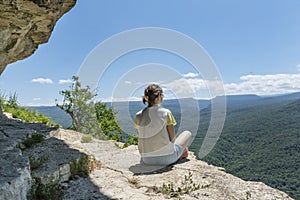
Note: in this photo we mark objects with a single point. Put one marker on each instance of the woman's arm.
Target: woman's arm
(170, 129)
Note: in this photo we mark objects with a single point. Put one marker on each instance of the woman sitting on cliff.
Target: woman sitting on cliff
(155, 124)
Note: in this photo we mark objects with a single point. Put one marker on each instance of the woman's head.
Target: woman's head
(151, 94)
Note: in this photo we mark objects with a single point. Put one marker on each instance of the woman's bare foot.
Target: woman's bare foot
(184, 154)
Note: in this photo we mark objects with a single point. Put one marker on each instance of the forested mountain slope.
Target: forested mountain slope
(260, 141)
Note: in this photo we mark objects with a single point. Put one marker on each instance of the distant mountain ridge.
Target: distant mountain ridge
(60, 117)
(56, 114)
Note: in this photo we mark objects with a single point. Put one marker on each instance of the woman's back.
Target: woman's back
(154, 140)
(155, 124)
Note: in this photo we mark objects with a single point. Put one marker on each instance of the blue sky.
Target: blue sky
(255, 46)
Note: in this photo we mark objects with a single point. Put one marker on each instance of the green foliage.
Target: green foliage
(187, 186)
(78, 103)
(39, 191)
(248, 195)
(131, 140)
(12, 101)
(86, 138)
(29, 141)
(80, 167)
(106, 118)
(37, 163)
(83, 166)
(259, 142)
(2, 99)
(26, 115)
(89, 117)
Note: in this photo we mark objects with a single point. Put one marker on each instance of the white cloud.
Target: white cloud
(41, 102)
(64, 81)
(42, 80)
(268, 84)
(298, 67)
(190, 75)
(183, 88)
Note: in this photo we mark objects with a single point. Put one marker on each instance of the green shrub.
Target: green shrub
(26, 115)
(83, 166)
(37, 163)
(29, 141)
(13, 101)
(106, 118)
(248, 195)
(187, 186)
(131, 140)
(39, 191)
(80, 167)
(86, 138)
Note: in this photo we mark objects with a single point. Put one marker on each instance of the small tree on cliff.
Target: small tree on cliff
(78, 103)
(88, 117)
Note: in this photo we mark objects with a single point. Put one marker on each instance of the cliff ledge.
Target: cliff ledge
(118, 173)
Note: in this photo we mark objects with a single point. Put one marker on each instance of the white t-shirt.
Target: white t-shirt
(151, 124)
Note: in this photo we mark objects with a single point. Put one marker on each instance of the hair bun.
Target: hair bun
(151, 92)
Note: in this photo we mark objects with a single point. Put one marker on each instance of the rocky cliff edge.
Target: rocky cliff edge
(118, 173)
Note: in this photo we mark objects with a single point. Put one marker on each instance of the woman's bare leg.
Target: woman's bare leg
(184, 138)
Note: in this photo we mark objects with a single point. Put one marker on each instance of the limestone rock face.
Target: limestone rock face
(24, 24)
(15, 182)
(48, 160)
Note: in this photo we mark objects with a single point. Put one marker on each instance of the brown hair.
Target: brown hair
(151, 92)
